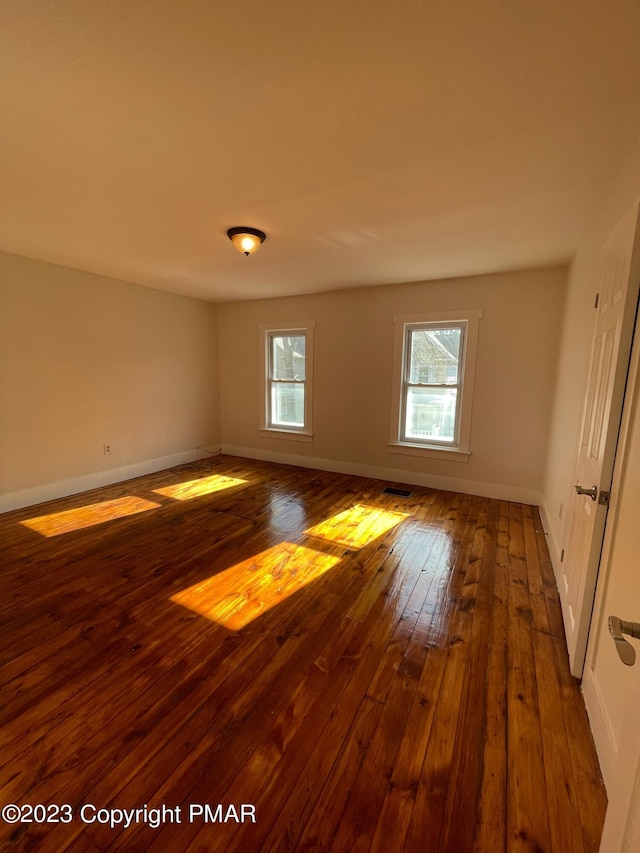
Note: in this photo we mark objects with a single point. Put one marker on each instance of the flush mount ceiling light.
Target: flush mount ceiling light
(246, 240)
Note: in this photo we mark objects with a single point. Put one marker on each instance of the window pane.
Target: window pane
(288, 357)
(287, 405)
(435, 355)
(431, 413)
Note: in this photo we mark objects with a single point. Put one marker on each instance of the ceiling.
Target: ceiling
(374, 142)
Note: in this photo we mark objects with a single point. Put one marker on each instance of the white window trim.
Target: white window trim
(461, 451)
(305, 327)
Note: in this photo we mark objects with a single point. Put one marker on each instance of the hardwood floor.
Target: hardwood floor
(368, 671)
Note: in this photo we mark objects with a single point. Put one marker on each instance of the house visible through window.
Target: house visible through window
(287, 372)
(433, 381)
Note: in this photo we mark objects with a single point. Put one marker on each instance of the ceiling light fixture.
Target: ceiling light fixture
(246, 240)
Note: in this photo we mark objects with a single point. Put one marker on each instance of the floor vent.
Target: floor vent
(399, 493)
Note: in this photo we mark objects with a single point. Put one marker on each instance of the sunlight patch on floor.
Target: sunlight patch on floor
(87, 516)
(241, 593)
(202, 486)
(358, 526)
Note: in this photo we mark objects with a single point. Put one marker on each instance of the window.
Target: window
(434, 366)
(286, 379)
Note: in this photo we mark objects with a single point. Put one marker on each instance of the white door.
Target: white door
(601, 418)
(621, 832)
(612, 688)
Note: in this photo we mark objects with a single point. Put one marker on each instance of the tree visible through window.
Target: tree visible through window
(287, 379)
(287, 376)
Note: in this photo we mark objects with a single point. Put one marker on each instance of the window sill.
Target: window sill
(289, 434)
(453, 454)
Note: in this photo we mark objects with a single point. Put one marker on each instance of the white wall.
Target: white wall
(87, 360)
(577, 334)
(515, 379)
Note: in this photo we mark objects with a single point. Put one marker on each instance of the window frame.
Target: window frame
(458, 449)
(268, 331)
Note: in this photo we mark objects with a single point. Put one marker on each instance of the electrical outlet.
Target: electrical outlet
(107, 449)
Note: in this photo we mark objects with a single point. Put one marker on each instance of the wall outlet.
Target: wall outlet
(107, 449)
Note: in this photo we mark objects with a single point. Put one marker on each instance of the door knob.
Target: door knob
(592, 492)
(618, 627)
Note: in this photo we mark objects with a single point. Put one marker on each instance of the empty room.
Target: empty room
(319, 426)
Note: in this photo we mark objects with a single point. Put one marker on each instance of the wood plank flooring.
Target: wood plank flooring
(366, 671)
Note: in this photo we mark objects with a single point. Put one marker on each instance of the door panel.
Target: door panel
(611, 688)
(596, 450)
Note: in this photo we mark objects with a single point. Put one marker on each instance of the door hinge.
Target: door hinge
(603, 499)
(597, 300)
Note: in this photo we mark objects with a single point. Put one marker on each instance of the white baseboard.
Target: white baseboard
(555, 553)
(61, 488)
(86, 482)
(552, 543)
(600, 725)
(396, 475)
